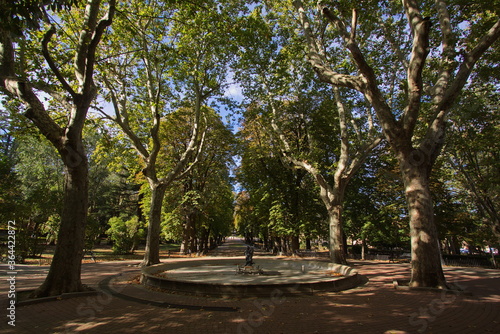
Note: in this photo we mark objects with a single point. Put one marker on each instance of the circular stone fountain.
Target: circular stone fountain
(226, 277)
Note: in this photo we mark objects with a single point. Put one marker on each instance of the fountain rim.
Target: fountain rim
(349, 279)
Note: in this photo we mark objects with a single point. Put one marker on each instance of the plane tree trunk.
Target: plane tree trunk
(152, 250)
(65, 270)
(426, 269)
(336, 238)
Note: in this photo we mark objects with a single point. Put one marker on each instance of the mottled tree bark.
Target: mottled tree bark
(336, 238)
(426, 269)
(65, 269)
(152, 250)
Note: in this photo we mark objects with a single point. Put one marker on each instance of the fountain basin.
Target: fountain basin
(219, 277)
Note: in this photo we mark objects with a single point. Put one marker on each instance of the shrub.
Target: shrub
(124, 234)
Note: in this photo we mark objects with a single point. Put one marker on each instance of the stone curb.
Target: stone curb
(54, 298)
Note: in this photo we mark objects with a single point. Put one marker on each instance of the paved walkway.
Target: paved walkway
(234, 246)
(373, 308)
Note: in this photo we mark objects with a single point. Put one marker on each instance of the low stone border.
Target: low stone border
(105, 287)
(349, 279)
(54, 298)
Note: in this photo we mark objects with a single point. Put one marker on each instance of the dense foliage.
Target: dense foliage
(155, 127)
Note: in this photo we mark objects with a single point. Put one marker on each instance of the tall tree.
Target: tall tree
(430, 65)
(165, 56)
(279, 204)
(352, 155)
(375, 211)
(276, 73)
(199, 202)
(76, 92)
(473, 151)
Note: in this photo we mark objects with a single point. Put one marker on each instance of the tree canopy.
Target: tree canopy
(368, 124)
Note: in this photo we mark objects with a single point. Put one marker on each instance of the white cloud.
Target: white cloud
(234, 91)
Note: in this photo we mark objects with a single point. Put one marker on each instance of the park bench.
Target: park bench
(306, 253)
(397, 257)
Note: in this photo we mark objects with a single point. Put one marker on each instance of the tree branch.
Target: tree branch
(448, 62)
(199, 150)
(395, 47)
(327, 193)
(89, 24)
(369, 86)
(21, 90)
(35, 111)
(361, 156)
(354, 23)
(46, 54)
(344, 138)
(317, 59)
(419, 53)
(194, 143)
(122, 120)
(104, 114)
(413, 14)
(467, 65)
(61, 98)
(96, 38)
(7, 58)
(434, 138)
